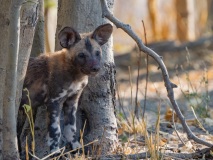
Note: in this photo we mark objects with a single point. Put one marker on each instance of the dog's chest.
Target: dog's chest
(73, 89)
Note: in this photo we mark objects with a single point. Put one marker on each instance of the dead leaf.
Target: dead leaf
(162, 142)
(168, 115)
(128, 150)
(187, 148)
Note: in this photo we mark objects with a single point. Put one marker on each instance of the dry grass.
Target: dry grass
(134, 135)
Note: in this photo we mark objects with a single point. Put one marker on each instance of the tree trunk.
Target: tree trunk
(185, 19)
(10, 148)
(153, 14)
(38, 41)
(98, 100)
(4, 25)
(37, 48)
(29, 17)
(210, 15)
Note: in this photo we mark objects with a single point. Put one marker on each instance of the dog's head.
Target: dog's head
(85, 49)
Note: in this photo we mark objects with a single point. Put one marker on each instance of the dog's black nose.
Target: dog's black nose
(95, 69)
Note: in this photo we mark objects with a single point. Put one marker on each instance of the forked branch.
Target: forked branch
(168, 84)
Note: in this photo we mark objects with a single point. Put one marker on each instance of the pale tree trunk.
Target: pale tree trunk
(29, 17)
(201, 17)
(181, 19)
(4, 25)
(98, 100)
(10, 148)
(40, 125)
(153, 14)
(210, 15)
(38, 41)
(185, 19)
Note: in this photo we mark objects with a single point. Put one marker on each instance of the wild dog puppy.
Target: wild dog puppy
(57, 80)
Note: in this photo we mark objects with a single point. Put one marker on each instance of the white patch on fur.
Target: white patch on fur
(49, 140)
(56, 125)
(73, 88)
(76, 145)
(68, 134)
(44, 88)
(61, 95)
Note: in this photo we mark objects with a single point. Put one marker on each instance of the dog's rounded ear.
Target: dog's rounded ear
(102, 33)
(68, 37)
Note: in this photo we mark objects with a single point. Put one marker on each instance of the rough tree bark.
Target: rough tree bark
(38, 41)
(37, 48)
(29, 17)
(10, 148)
(28, 20)
(4, 25)
(97, 103)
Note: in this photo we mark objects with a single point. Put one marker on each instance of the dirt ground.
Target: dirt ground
(191, 69)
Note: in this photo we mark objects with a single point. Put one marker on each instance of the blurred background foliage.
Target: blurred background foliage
(165, 20)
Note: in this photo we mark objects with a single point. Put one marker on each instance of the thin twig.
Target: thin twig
(121, 106)
(137, 104)
(199, 123)
(82, 135)
(49, 155)
(130, 81)
(173, 121)
(168, 84)
(81, 147)
(34, 156)
(147, 71)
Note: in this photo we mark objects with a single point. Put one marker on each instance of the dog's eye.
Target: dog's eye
(81, 55)
(97, 53)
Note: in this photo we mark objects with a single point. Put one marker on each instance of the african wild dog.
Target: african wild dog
(57, 80)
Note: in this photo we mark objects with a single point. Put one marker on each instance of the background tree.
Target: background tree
(210, 15)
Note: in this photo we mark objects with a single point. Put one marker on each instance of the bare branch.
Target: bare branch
(169, 86)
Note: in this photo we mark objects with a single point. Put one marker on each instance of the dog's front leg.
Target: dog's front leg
(54, 131)
(70, 108)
